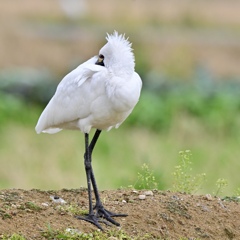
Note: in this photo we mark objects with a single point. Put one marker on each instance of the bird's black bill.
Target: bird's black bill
(100, 61)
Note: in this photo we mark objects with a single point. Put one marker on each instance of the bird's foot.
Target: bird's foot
(101, 215)
(101, 212)
(92, 219)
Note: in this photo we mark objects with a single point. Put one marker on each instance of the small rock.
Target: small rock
(45, 204)
(124, 201)
(142, 196)
(57, 199)
(135, 191)
(209, 197)
(148, 193)
(28, 210)
(174, 197)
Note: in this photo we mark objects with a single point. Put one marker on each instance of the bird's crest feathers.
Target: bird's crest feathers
(117, 39)
(119, 58)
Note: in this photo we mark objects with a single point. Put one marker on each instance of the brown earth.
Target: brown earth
(163, 215)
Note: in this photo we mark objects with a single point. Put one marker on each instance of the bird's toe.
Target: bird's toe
(91, 219)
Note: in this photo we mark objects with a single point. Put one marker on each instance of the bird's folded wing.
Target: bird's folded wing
(69, 102)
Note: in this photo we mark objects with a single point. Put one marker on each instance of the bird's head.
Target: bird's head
(117, 56)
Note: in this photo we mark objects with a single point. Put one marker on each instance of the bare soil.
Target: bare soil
(163, 215)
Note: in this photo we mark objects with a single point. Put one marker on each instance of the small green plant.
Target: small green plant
(237, 192)
(13, 237)
(4, 214)
(146, 179)
(71, 209)
(30, 205)
(184, 181)
(221, 184)
(70, 234)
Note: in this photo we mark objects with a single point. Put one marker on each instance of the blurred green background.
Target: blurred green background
(188, 55)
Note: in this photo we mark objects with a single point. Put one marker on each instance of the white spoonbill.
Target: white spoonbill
(100, 94)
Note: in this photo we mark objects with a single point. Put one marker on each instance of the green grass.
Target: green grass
(70, 234)
(25, 156)
(13, 237)
(158, 129)
(184, 181)
(145, 179)
(75, 234)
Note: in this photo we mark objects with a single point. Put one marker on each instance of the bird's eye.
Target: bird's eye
(100, 60)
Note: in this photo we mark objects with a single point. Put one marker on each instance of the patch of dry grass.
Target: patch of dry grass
(40, 35)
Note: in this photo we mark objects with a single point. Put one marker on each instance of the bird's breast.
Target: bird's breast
(124, 93)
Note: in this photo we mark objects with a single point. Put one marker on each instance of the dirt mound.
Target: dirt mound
(160, 215)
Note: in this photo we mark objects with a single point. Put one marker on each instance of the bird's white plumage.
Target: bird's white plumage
(94, 96)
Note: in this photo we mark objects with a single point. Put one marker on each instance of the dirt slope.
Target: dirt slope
(162, 215)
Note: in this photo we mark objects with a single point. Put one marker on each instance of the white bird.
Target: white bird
(100, 94)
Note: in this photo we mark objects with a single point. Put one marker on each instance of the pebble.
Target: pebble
(45, 204)
(148, 193)
(209, 197)
(124, 201)
(142, 196)
(57, 199)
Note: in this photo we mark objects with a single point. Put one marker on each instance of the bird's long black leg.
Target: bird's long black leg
(91, 147)
(87, 163)
(91, 217)
(94, 140)
(100, 210)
